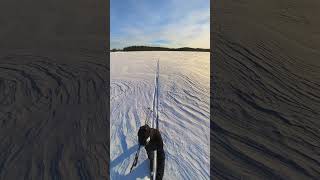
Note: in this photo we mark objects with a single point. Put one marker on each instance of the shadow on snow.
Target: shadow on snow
(138, 172)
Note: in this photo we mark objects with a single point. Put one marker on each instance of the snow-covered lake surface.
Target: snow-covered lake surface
(183, 118)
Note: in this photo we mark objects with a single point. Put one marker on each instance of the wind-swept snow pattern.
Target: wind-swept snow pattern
(53, 115)
(266, 90)
(183, 112)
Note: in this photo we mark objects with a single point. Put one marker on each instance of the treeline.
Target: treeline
(152, 48)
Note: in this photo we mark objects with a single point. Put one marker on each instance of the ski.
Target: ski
(155, 123)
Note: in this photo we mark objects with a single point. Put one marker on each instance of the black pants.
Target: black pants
(160, 163)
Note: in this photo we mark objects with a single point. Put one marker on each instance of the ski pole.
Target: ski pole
(135, 161)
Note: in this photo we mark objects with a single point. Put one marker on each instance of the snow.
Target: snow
(183, 118)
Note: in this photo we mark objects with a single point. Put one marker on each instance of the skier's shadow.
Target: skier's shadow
(126, 154)
(138, 172)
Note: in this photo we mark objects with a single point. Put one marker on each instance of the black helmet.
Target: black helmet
(143, 134)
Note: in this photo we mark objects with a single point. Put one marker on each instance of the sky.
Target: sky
(167, 23)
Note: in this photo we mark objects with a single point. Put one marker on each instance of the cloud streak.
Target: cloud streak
(175, 26)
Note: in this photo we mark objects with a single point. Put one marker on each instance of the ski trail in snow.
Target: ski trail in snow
(183, 112)
(155, 103)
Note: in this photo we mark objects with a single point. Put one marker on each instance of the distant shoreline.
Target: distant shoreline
(153, 48)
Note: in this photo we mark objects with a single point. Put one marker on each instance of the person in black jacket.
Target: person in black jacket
(152, 140)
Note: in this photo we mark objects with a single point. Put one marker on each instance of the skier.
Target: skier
(152, 140)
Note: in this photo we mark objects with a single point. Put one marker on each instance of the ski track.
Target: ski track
(183, 112)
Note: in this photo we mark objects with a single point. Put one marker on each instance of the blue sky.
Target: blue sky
(169, 23)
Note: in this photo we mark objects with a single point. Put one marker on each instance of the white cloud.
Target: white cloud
(193, 30)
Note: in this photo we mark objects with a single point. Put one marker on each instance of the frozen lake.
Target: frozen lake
(184, 117)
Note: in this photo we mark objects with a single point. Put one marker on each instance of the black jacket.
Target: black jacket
(156, 143)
